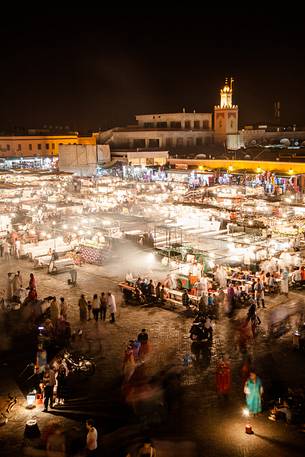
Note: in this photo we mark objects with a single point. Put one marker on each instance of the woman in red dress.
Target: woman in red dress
(223, 377)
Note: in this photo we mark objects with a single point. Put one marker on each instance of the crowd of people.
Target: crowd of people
(97, 307)
(214, 297)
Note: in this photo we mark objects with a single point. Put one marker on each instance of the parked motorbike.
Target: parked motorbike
(79, 364)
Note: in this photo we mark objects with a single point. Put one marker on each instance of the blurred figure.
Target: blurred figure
(95, 307)
(112, 305)
(129, 364)
(32, 282)
(136, 345)
(61, 378)
(103, 306)
(284, 282)
(253, 390)
(9, 288)
(6, 248)
(48, 383)
(56, 446)
(54, 311)
(63, 308)
(185, 299)
(147, 450)
(223, 377)
(83, 308)
(144, 348)
(246, 369)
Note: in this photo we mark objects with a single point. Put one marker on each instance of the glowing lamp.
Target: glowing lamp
(30, 399)
(200, 167)
(248, 429)
(230, 168)
(290, 171)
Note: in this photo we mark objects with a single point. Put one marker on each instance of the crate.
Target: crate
(39, 399)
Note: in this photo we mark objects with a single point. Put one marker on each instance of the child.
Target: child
(210, 300)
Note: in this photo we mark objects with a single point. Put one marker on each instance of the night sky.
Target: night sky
(97, 70)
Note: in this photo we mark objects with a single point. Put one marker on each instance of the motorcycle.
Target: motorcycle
(79, 364)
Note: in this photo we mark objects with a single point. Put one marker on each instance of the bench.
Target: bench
(173, 302)
(124, 285)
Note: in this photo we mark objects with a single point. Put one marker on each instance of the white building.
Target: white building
(178, 131)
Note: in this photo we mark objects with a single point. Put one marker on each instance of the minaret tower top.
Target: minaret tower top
(226, 94)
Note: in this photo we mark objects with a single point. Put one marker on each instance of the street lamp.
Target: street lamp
(30, 400)
(248, 427)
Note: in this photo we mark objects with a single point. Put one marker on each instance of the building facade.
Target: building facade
(38, 145)
(179, 131)
(214, 134)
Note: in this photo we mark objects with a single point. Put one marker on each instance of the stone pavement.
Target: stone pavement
(198, 419)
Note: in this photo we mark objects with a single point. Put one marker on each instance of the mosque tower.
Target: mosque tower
(226, 117)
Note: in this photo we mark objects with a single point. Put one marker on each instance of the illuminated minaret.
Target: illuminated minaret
(226, 116)
(226, 94)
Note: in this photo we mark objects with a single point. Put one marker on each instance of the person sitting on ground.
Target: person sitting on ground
(284, 410)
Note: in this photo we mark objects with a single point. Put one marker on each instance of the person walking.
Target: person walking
(82, 303)
(56, 446)
(129, 363)
(112, 305)
(223, 377)
(6, 250)
(9, 288)
(32, 282)
(284, 282)
(61, 378)
(20, 279)
(162, 294)
(253, 390)
(95, 307)
(48, 383)
(158, 292)
(259, 293)
(54, 311)
(17, 248)
(91, 440)
(185, 299)
(150, 291)
(143, 339)
(103, 306)
(63, 308)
